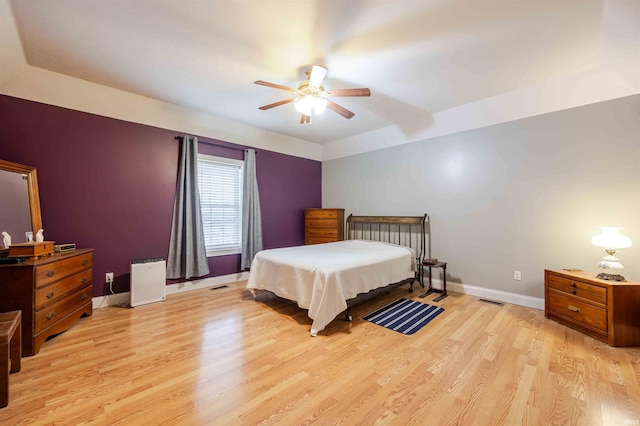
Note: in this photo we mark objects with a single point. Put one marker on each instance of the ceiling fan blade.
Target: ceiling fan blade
(275, 104)
(275, 86)
(318, 74)
(340, 110)
(305, 119)
(349, 92)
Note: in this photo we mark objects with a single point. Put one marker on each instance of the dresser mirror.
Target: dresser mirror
(19, 202)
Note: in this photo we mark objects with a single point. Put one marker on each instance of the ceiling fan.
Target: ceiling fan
(311, 97)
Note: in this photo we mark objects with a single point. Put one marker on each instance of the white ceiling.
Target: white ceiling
(417, 57)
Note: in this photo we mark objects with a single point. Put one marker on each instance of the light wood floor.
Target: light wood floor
(218, 357)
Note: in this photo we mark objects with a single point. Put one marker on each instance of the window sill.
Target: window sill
(223, 252)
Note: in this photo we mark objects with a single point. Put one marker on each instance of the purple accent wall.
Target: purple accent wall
(109, 184)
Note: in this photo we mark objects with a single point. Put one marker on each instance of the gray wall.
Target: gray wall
(525, 195)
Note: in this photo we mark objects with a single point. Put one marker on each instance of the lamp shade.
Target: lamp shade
(610, 237)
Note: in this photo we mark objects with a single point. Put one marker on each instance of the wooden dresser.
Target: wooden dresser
(323, 225)
(606, 310)
(52, 292)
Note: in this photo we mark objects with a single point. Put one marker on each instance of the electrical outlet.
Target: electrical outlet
(517, 275)
(109, 278)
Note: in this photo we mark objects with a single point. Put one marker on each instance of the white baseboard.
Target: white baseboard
(206, 283)
(118, 299)
(500, 296)
(123, 299)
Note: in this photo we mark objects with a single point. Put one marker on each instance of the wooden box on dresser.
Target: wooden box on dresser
(606, 310)
(323, 225)
(52, 292)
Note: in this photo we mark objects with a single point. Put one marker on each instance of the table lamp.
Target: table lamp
(611, 241)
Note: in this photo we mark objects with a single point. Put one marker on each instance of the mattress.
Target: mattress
(322, 277)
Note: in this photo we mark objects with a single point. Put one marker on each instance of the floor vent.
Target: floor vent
(218, 288)
(493, 302)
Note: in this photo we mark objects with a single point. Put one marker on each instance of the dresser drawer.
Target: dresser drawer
(321, 232)
(318, 240)
(55, 291)
(50, 272)
(321, 214)
(578, 288)
(321, 223)
(577, 311)
(50, 314)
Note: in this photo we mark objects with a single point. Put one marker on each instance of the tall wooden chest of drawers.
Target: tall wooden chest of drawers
(52, 292)
(323, 225)
(606, 310)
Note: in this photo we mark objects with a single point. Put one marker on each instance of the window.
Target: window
(220, 187)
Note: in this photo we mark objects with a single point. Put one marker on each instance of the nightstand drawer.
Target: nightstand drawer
(578, 312)
(579, 288)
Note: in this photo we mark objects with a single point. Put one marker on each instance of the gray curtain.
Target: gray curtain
(251, 217)
(187, 252)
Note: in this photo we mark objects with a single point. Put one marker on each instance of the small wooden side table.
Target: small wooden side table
(443, 292)
(10, 350)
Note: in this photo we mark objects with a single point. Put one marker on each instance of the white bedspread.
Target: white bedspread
(322, 277)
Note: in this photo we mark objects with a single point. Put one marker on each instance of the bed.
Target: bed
(381, 252)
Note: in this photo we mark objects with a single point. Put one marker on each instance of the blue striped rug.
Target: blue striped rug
(404, 316)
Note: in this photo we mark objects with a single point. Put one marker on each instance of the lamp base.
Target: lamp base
(611, 277)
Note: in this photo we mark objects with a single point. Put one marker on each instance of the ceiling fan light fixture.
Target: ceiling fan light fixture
(312, 97)
(309, 103)
(305, 104)
(319, 105)
(316, 75)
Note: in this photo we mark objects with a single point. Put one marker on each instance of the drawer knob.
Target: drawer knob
(574, 308)
(84, 296)
(50, 273)
(573, 292)
(84, 262)
(573, 284)
(49, 295)
(50, 315)
(83, 280)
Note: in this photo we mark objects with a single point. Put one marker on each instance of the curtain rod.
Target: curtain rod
(179, 138)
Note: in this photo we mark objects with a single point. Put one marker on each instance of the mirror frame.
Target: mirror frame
(32, 189)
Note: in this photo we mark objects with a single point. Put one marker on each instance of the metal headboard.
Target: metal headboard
(408, 231)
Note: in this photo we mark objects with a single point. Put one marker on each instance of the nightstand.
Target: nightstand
(443, 292)
(605, 310)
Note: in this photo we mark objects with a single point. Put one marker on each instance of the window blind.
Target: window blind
(220, 187)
